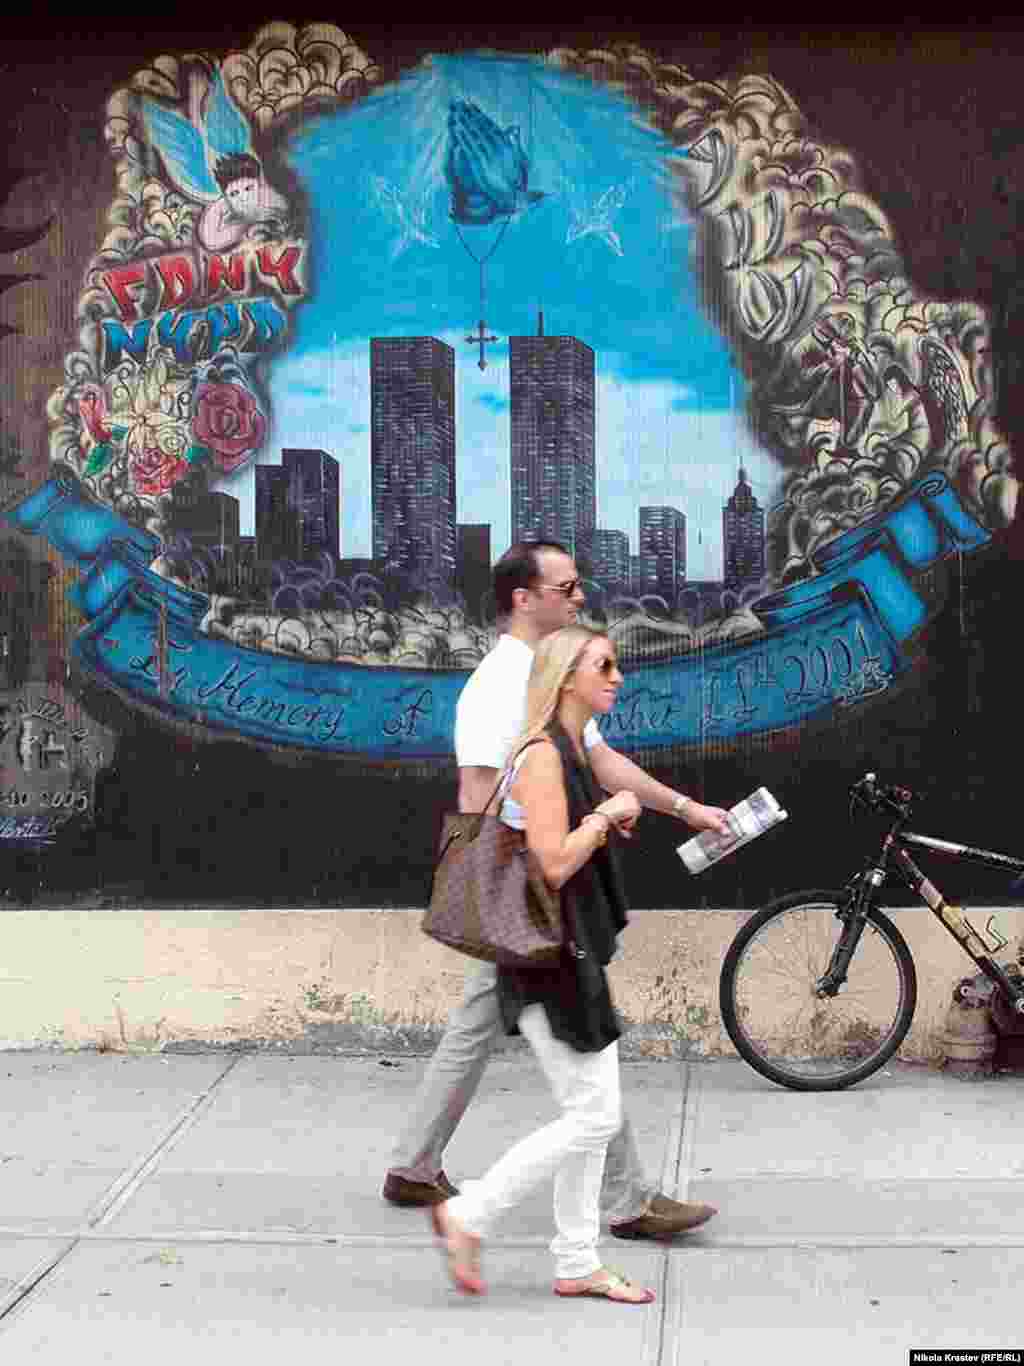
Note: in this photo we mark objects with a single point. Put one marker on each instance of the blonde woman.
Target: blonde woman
(565, 1011)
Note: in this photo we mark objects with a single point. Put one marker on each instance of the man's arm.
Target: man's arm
(615, 772)
(476, 786)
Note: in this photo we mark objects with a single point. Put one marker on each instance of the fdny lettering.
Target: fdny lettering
(162, 283)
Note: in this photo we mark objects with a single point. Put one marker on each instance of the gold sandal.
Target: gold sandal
(606, 1289)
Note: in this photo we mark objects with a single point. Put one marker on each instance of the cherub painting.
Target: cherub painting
(209, 156)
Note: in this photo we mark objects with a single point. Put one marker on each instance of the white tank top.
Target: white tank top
(511, 812)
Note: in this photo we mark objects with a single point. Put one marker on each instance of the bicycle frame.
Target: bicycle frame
(952, 917)
(894, 856)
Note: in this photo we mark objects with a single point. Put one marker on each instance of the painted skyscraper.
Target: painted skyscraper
(207, 519)
(609, 558)
(412, 457)
(314, 492)
(278, 533)
(663, 552)
(743, 551)
(554, 491)
(298, 506)
(473, 578)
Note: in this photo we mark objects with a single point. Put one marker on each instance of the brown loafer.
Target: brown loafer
(664, 1219)
(399, 1190)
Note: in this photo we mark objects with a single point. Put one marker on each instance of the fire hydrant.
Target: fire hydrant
(968, 1040)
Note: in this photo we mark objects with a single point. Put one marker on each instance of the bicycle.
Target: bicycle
(814, 1003)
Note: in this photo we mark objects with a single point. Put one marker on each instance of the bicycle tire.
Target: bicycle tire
(860, 1044)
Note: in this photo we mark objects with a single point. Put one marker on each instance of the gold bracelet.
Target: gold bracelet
(679, 805)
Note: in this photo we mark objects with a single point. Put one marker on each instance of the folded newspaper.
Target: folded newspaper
(747, 819)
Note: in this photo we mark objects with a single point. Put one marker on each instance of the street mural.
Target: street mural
(345, 339)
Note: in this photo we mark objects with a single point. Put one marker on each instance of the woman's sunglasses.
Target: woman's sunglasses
(606, 667)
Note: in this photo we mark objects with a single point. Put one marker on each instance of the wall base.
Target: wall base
(364, 981)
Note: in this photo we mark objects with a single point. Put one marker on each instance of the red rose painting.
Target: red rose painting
(227, 422)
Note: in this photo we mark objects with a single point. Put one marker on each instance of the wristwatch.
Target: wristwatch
(679, 805)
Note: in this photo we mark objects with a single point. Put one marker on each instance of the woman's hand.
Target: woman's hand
(622, 810)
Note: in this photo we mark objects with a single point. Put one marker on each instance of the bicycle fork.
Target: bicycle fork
(862, 895)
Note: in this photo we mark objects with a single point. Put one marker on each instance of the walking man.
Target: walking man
(538, 590)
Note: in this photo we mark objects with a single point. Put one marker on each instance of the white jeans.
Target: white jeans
(571, 1149)
(451, 1081)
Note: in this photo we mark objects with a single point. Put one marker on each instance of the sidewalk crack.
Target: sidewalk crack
(661, 1326)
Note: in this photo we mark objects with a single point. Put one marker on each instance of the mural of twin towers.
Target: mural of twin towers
(416, 538)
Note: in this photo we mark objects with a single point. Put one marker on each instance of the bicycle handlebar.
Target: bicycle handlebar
(868, 792)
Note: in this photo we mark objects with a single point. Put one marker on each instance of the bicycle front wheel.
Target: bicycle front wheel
(769, 1005)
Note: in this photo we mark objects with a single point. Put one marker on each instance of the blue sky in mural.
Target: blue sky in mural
(603, 250)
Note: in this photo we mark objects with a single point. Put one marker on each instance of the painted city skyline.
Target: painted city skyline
(415, 482)
(415, 475)
(605, 253)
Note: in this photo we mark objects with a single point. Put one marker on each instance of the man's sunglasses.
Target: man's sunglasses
(567, 589)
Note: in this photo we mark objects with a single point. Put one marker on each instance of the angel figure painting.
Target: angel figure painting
(208, 155)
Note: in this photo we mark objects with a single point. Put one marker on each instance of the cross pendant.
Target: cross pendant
(480, 338)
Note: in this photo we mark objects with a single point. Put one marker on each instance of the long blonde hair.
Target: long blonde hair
(555, 659)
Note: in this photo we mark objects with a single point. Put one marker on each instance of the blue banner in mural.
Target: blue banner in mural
(834, 639)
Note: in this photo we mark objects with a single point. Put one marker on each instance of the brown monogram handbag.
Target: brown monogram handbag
(488, 898)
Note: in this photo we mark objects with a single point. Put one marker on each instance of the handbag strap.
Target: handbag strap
(535, 741)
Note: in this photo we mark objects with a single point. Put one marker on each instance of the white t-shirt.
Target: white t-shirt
(491, 712)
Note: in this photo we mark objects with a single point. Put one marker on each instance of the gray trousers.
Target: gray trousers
(450, 1084)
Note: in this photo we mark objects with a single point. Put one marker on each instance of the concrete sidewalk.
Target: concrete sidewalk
(222, 1208)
